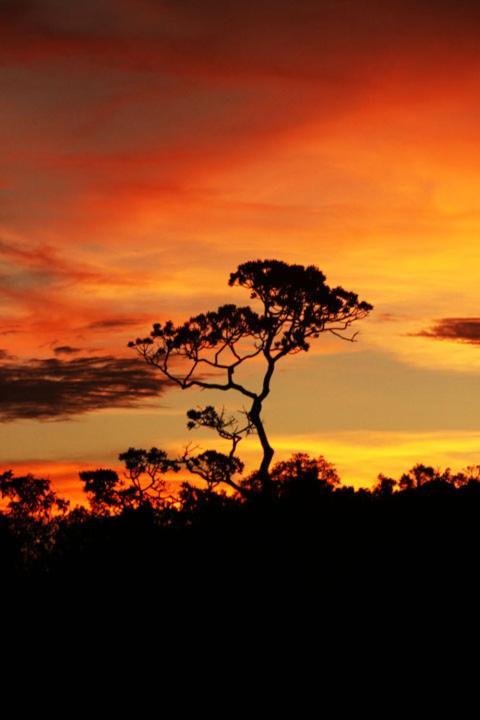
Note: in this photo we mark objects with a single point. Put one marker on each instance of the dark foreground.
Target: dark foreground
(343, 542)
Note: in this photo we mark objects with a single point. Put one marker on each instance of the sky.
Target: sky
(148, 147)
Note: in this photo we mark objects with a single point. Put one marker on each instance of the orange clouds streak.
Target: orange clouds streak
(151, 146)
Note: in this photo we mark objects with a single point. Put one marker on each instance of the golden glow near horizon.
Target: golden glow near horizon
(149, 149)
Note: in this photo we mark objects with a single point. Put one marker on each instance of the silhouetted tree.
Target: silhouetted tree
(385, 486)
(299, 478)
(212, 466)
(143, 483)
(33, 511)
(146, 470)
(426, 477)
(30, 498)
(416, 477)
(200, 504)
(296, 306)
(470, 476)
(103, 488)
(301, 467)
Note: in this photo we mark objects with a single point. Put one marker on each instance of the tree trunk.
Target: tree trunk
(268, 451)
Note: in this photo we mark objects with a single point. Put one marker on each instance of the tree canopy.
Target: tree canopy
(293, 306)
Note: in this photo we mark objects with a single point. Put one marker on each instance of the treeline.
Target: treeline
(133, 525)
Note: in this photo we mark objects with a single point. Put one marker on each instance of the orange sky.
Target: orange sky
(149, 147)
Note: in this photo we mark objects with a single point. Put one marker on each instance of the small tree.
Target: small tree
(215, 467)
(299, 478)
(295, 306)
(33, 513)
(143, 484)
(103, 488)
(30, 499)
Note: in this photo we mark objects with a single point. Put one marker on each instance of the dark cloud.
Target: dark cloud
(56, 389)
(113, 322)
(390, 317)
(4, 355)
(465, 330)
(65, 350)
(219, 36)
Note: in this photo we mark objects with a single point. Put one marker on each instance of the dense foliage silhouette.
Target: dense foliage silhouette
(311, 526)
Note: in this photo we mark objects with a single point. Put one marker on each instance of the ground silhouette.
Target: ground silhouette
(310, 529)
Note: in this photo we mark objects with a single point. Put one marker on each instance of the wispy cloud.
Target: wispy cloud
(464, 330)
(53, 388)
(110, 323)
(66, 350)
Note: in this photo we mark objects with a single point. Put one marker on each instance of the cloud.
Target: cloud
(35, 267)
(226, 38)
(389, 317)
(53, 388)
(114, 322)
(464, 330)
(65, 350)
(182, 90)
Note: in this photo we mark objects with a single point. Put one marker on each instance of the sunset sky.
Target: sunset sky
(148, 147)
